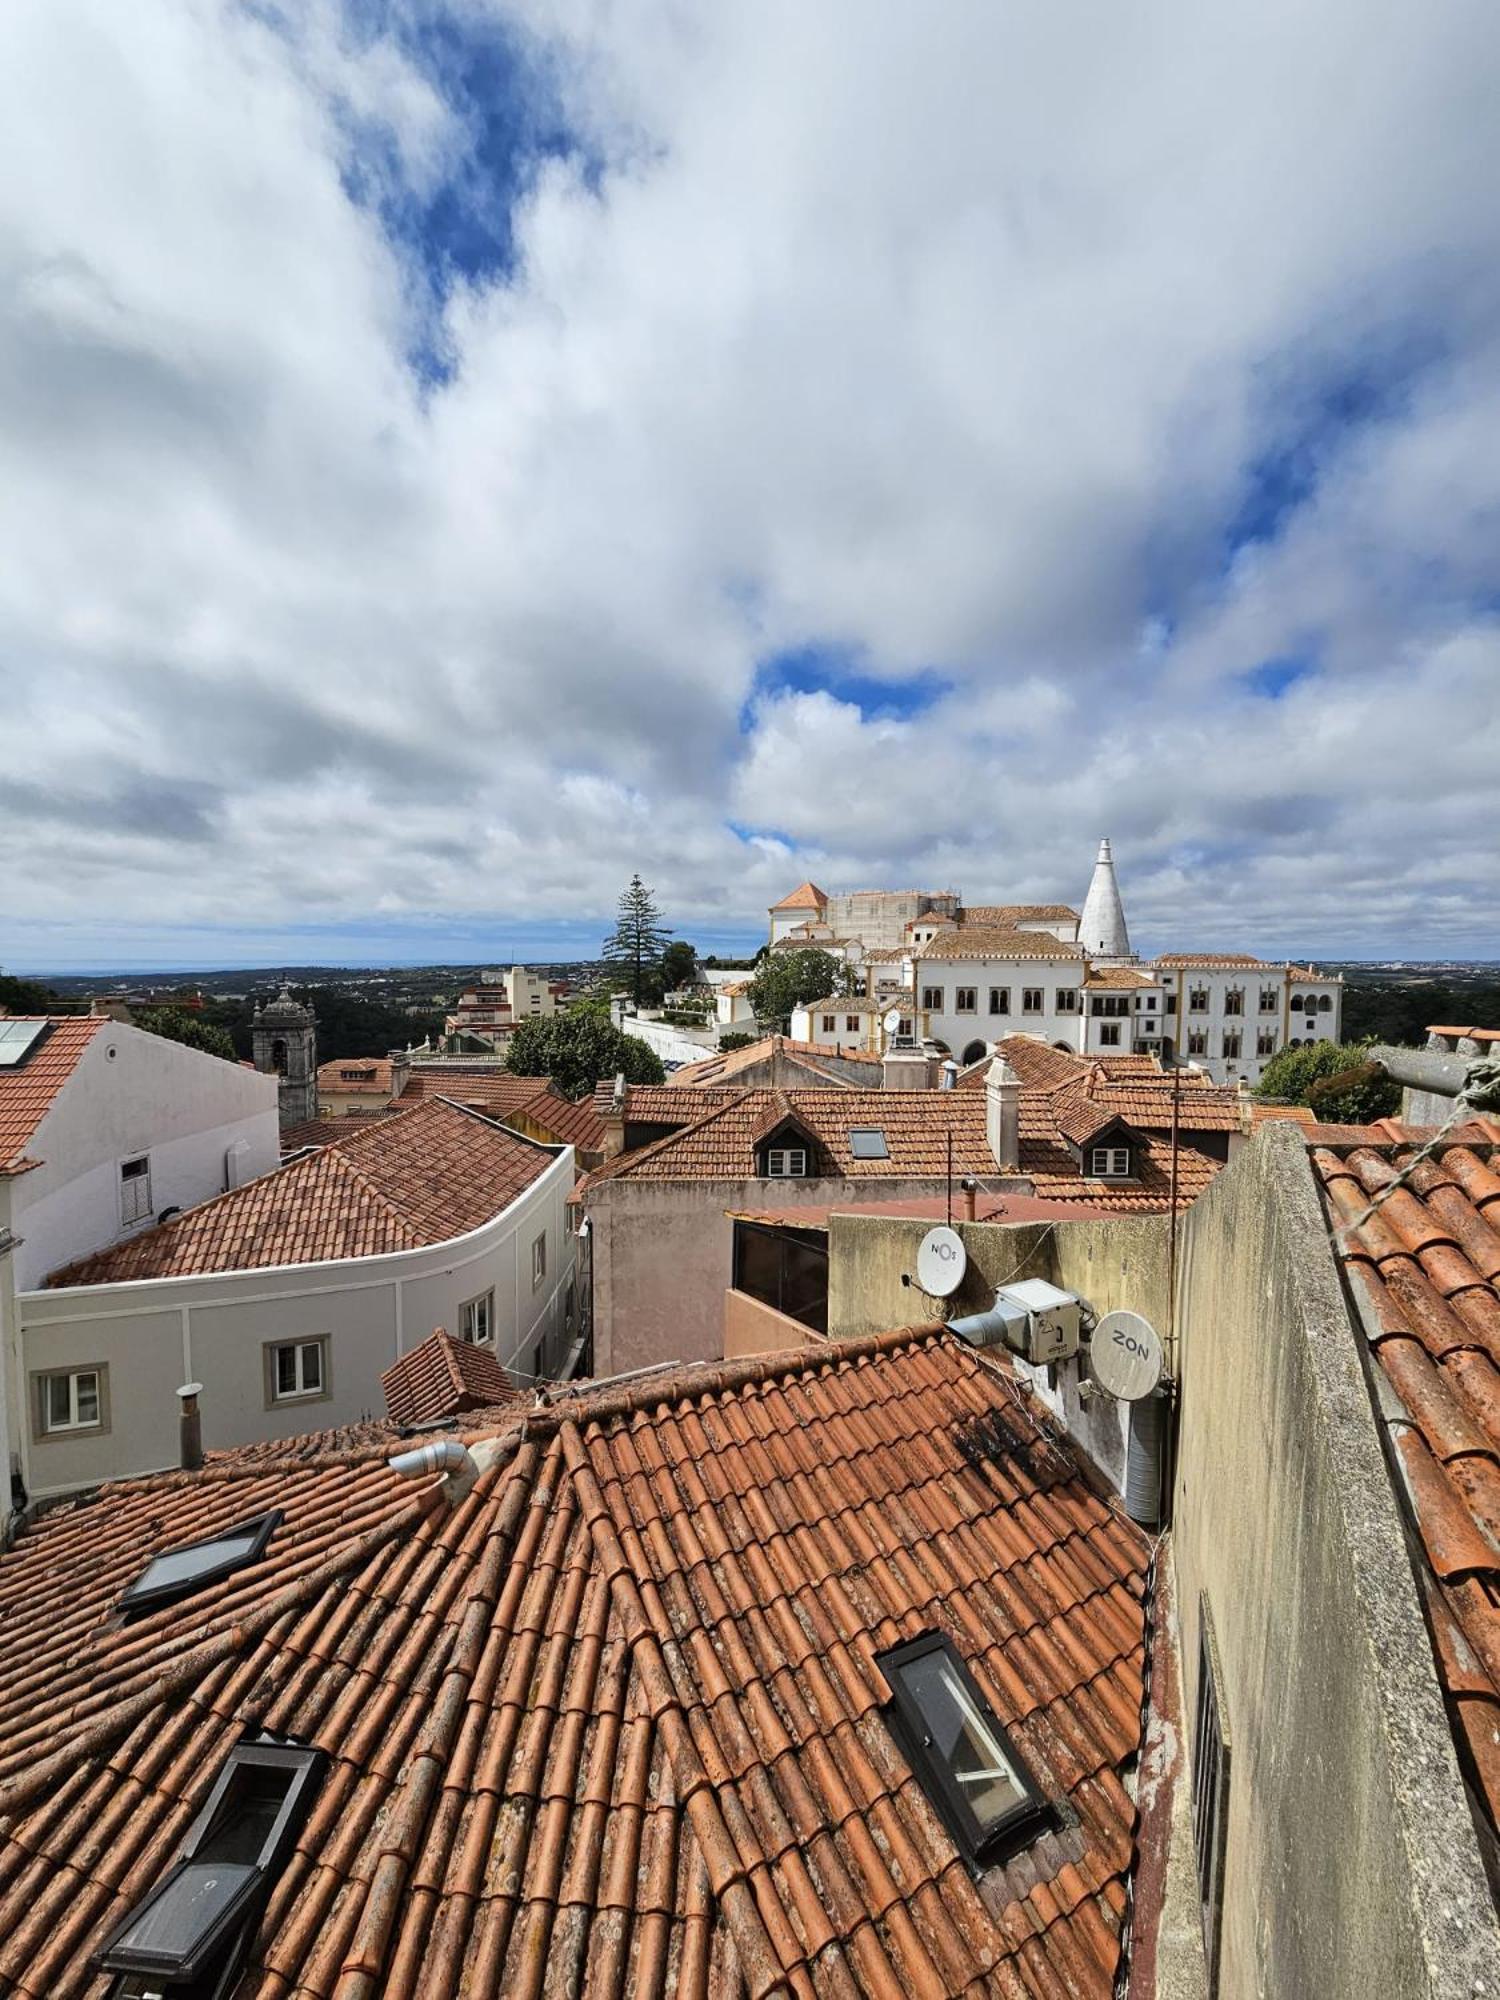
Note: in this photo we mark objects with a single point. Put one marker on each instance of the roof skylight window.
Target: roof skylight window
(867, 1142)
(18, 1038)
(962, 1757)
(177, 1573)
(189, 1934)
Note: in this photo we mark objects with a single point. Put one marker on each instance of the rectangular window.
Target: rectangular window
(786, 1163)
(1169, 1005)
(1109, 1034)
(1197, 1042)
(1269, 1000)
(1265, 1042)
(1198, 1000)
(297, 1370)
(1210, 1792)
(538, 1260)
(851, 1024)
(1231, 1042)
(68, 1400)
(966, 1000)
(999, 999)
(957, 1748)
(135, 1191)
(476, 1320)
(932, 999)
(829, 1024)
(1033, 1000)
(1113, 1161)
(1067, 1000)
(1234, 1001)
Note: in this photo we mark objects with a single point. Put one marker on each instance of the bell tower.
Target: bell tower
(284, 1037)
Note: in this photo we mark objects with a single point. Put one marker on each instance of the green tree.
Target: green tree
(788, 978)
(25, 996)
(633, 949)
(577, 1049)
(734, 1040)
(176, 1026)
(1307, 1076)
(679, 964)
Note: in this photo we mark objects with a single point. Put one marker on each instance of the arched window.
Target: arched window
(973, 1052)
(1325, 1003)
(1296, 1003)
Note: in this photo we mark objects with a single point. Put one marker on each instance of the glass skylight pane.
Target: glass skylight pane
(16, 1037)
(182, 1565)
(962, 1738)
(868, 1143)
(175, 1924)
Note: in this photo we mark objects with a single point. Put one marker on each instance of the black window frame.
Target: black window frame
(137, 1599)
(868, 1134)
(981, 1846)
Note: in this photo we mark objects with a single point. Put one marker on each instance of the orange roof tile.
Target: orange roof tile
(27, 1090)
(442, 1377)
(356, 1073)
(806, 896)
(1424, 1279)
(811, 1062)
(994, 941)
(324, 1131)
(1135, 1088)
(1229, 960)
(424, 1176)
(1118, 976)
(1005, 916)
(611, 1724)
(1470, 1034)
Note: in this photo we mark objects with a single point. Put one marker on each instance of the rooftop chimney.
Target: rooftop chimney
(1002, 1115)
(190, 1428)
(1101, 928)
(905, 1066)
(400, 1071)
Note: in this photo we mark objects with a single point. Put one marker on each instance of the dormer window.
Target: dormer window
(1109, 1162)
(960, 1754)
(786, 1163)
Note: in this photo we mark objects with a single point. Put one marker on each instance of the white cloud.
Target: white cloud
(951, 349)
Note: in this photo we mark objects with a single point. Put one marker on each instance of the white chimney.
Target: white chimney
(1002, 1115)
(905, 1068)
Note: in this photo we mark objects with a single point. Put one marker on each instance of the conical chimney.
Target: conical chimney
(1101, 929)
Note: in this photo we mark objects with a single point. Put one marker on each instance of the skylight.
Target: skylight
(961, 1755)
(17, 1039)
(177, 1573)
(867, 1142)
(196, 1923)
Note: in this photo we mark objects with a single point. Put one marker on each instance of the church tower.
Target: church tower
(284, 1037)
(1101, 929)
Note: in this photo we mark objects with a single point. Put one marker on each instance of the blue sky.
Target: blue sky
(461, 453)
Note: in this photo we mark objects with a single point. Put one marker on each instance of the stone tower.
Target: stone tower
(285, 1041)
(1101, 928)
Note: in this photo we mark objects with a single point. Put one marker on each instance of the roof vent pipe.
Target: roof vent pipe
(441, 1455)
(190, 1428)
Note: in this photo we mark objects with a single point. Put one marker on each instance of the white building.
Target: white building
(289, 1298)
(1231, 1012)
(732, 1010)
(974, 985)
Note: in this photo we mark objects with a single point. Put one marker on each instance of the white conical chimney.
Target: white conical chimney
(1101, 929)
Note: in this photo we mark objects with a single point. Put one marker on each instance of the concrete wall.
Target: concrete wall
(1351, 1868)
(132, 1094)
(155, 1334)
(751, 1327)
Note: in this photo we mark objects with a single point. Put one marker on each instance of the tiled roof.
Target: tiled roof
(1118, 976)
(28, 1088)
(1228, 960)
(720, 1146)
(845, 1003)
(981, 941)
(1469, 1034)
(1135, 1088)
(356, 1073)
(324, 1131)
(424, 1176)
(806, 896)
(1266, 1114)
(1004, 916)
(723, 1067)
(442, 1377)
(611, 1724)
(568, 1123)
(1424, 1275)
(495, 1092)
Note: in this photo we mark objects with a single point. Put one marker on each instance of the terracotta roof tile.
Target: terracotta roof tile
(611, 1723)
(324, 1131)
(1135, 1088)
(356, 1074)
(1424, 1279)
(1006, 916)
(1118, 976)
(427, 1174)
(815, 1063)
(442, 1377)
(28, 1088)
(806, 896)
(982, 941)
(1230, 960)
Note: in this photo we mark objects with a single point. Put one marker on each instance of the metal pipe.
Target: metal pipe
(190, 1428)
(441, 1455)
(1432, 1070)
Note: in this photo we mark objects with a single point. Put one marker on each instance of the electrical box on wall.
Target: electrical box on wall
(1039, 1322)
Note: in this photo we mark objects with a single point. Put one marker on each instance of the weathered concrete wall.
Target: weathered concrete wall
(1351, 1867)
(751, 1327)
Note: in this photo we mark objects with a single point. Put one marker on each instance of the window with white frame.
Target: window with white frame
(1109, 1034)
(538, 1259)
(71, 1399)
(999, 999)
(966, 1000)
(786, 1163)
(297, 1370)
(932, 999)
(1033, 1000)
(476, 1320)
(1109, 1162)
(1067, 999)
(135, 1190)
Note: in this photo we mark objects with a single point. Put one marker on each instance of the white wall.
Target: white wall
(1052, 1024)
(131, 1094)
(1282, 1023)
(155, 1334)
(673, 1045)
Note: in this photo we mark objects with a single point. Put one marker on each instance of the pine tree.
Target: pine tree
(639, 936)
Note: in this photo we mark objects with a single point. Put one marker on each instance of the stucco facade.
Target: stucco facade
(1231, 1018)
(152, 1335)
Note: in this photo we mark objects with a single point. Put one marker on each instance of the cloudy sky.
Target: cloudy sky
(453, 453)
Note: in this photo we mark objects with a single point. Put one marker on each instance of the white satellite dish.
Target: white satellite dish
(891, 1019)
(941, 1262)
(1125, 1356)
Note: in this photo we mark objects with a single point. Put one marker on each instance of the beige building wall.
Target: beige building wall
(751, 1327)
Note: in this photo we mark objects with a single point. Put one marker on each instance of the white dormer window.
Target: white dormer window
(786, 1163)
(1110, 1162)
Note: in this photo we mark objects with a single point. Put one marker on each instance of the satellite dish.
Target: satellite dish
(891, 1019)
(941, 1262)
(1125, 1356)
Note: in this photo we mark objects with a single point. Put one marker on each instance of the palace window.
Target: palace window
(966, 1000)
(932, 999)
(999, 999)
(1270, 999)
(1067, 1000)
(1231, 1042)
(1033, 1000)
(1265, 1042)
(1109, 1034)
(1197, 1042)
(1198, 1000)
(1234, 1000)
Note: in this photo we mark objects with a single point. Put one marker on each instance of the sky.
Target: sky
(455, 454)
